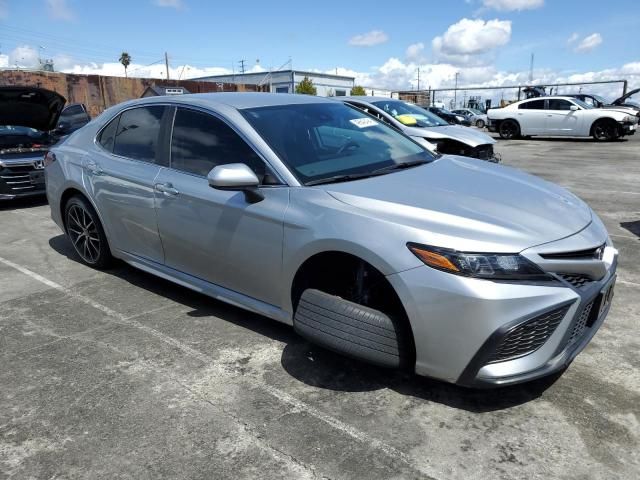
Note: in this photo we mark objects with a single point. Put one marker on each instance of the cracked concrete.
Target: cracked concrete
(119, 374)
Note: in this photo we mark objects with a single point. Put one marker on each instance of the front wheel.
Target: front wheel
(352, 329)
(480, 124)
(509, 129)
(86, 233)
(605, 130)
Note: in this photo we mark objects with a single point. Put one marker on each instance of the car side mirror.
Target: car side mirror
(236, 177)
(574, 108)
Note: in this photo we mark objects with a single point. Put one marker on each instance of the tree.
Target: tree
(125, 60)
(306, 87)
(358, 90)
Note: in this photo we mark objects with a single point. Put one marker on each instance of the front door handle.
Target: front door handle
(166, 188)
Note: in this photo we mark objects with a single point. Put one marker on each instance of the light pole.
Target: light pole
(455, 91)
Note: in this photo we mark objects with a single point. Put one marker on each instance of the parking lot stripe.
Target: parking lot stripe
(282, 396)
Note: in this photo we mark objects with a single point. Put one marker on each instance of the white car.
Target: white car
(560, 116)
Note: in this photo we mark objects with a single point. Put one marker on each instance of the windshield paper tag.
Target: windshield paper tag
(363, 122)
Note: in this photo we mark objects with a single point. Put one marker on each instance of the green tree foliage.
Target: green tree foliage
(125, 60)
(306, 87)
(358, 90)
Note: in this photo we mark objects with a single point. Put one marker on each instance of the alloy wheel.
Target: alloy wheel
(83, 233)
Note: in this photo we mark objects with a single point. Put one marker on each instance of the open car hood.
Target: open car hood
(620, 101)
(30, 107)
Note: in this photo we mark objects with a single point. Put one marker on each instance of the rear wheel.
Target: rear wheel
(509, 129)
(605, 130)
(480, 124)
(86, 233)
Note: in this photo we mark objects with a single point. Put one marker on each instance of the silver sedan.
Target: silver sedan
(318, 215)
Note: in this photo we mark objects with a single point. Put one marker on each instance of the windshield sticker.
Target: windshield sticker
(364, 122)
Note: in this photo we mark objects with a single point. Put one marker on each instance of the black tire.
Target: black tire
(480, 124)
(605, 130)
(509, 129)
(352, 329)
(86, 233)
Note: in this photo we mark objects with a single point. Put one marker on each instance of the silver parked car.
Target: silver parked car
(315, 214)
(476, 117)
(426, 127)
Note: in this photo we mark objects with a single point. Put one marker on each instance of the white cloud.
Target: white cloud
(369, 39)
(4, 9)
(59, 10)
(511, 5)
(573, 38)
(414, 51)
(466, 40)
(177, 4)
(589, 42)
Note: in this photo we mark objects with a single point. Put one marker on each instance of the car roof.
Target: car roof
(237, 100)
(368, 99)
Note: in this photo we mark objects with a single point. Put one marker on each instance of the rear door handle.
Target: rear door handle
(93, 168)
(166, 188)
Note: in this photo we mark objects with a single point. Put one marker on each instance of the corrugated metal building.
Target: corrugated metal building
(285, 81)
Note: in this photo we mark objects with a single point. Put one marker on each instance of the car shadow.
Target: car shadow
(320, 368)
(633, 227)
(21, 203)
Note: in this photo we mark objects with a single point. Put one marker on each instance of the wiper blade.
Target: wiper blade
(339, 178)
(399, 166)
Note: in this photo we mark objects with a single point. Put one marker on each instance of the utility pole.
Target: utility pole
(418, 70)
(241, 62)
(166, 63)
(455, 92)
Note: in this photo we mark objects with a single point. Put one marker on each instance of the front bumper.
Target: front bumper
(22, 177)
(629, 128)
(459, 324)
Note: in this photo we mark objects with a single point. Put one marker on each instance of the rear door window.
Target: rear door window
(532, 105)
(138, 133)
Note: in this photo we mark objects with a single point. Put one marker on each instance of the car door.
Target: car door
(217, 235)
(120, 173)
(561, 120)
(531, 116)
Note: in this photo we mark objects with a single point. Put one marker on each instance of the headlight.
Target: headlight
(497, 266)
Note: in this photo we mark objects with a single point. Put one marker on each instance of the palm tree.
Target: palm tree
(125, 60)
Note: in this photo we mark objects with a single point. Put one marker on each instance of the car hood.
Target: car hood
(466, 135)
(30, 107)
(621, 100)
(468, 204)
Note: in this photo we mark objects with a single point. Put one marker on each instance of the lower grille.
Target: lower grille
(581, 324)
(483, 152)
(528, 337)
(578, 280)
(17, 179)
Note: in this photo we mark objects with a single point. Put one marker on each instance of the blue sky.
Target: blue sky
(487, 41)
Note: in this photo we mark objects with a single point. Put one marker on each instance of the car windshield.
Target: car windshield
(323, 141)
(410, 115)
(16, 130)
(582, 104)
(475, 112)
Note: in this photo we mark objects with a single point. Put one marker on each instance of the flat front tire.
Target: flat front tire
(351, 329)
(86, 233)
